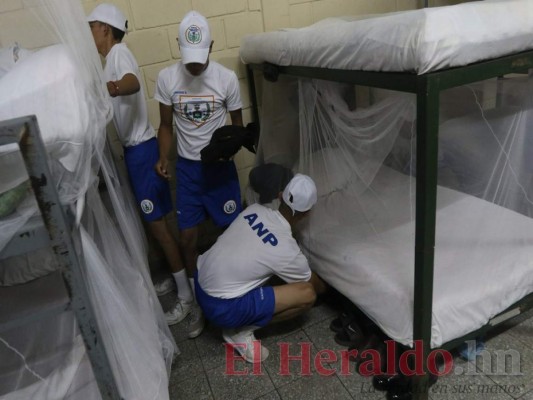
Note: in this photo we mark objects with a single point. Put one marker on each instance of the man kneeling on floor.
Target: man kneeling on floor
(257, 246)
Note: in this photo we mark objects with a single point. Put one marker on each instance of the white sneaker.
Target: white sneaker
(242, 340)
(195, 322)
(178, 312)
(165, 286)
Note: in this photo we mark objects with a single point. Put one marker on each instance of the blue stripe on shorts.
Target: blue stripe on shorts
(253, 308)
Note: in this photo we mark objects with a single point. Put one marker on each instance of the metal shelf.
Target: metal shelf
(29, 302)
(32, 236)
(65, 289)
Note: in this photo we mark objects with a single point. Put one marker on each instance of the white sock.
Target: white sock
(184, 291)
(191, 281)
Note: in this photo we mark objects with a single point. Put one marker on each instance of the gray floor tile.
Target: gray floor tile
(315, 387)
(527, 396)
(179, 331)
(467, 387)
(508, 362)
(319, 313)
(523, 331)
(188, 364)
(274, 395)
(211, 348)
(196, 388)
(323, 337)
(226, 387)
(360, 387)
(274, 363)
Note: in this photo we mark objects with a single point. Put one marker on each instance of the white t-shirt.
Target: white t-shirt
(130, 112)
(199, 103)
(256, 246)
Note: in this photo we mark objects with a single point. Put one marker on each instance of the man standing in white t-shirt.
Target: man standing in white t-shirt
(141, 151)
(256, 246)
(195, 95)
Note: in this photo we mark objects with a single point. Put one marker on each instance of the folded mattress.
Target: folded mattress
(417, 41)
(483, 256)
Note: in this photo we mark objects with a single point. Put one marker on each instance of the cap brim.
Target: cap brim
(189, 56)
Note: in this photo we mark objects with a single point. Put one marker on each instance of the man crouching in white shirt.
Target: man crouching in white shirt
(257, 246)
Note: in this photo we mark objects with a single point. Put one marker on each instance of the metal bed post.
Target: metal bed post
(426, 205)
(25, 132)
(253, 94)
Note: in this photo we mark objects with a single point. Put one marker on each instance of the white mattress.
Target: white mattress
(420, 40)
(483, 257)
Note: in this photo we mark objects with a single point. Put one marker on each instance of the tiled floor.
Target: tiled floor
(200, 371)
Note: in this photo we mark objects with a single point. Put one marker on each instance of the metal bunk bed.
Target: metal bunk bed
(427, 88)
(64, 290)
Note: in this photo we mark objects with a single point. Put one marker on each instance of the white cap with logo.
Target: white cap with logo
(300, 194)
(109, 14)
(194, 38)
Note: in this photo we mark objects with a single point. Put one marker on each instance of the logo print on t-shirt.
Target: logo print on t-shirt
(230, 206)
(196, 109)
(147, 206)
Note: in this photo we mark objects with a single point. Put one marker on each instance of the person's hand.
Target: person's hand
(161, 167)
(113, 89)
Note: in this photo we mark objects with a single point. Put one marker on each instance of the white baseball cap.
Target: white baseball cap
(109, 14)
(300, 194)
(194, 38)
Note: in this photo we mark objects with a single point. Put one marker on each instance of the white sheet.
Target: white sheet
(420, 40)
(369, 257)
(72, 379)
(46, 84)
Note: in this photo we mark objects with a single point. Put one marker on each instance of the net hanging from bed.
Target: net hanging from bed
(359, 145)
(61, 82)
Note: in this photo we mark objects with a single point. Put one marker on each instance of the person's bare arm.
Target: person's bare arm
(164, 139)
(128, 84)
(318, 284)
(236, 117)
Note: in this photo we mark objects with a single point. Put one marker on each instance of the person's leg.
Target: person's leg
(152, 194)
(240, 317)
(190, 214)
(165, 238)
(189, 243)
(292, 299)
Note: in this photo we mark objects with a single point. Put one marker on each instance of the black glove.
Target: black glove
(227, 141)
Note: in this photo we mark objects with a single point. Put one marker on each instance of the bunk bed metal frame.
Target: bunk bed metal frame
(59, 232)
(427, 88)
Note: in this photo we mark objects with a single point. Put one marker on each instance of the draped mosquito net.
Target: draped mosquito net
(359, 145)
(61, 82)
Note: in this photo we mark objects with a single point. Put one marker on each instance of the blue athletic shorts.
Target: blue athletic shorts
(254, 308)
(151, 191)
(206, 189)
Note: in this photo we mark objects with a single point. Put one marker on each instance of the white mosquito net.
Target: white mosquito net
(61, 82)
(359, 145)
